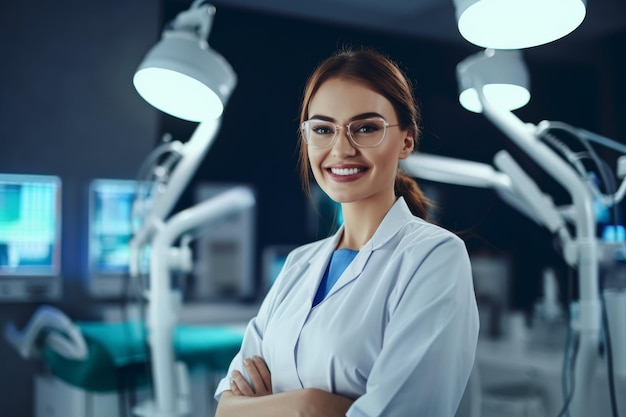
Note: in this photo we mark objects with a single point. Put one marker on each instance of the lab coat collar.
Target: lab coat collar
(397, 216)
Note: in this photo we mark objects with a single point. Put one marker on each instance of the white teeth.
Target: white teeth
(346, 171)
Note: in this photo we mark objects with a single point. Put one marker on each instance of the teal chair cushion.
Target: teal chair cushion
(118, 354)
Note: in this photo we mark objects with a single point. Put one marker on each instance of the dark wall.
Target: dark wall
(68, 108)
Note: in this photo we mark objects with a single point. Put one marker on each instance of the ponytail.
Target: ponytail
(406, 187)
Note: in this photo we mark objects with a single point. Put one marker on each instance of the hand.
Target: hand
(259, 376)
(315, 402)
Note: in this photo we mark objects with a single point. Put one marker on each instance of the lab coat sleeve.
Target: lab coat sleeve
(250, 346)
(252, 340)
(429, 342)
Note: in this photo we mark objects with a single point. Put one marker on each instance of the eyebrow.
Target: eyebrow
(357, 117)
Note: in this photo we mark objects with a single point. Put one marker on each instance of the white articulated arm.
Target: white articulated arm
(589, 320)
(163, 303)
(192, 154)
(466, 173)
(48, 327)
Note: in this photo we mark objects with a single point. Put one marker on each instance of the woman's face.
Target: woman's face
(346, 172)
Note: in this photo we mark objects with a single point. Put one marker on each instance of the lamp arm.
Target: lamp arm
(163, 305)
(197, 19)
(531, 193)
(590, 309)
(454, 171)
(524, 137)
(192, 154)
(466, 173)
(541, 205)
(512, 185)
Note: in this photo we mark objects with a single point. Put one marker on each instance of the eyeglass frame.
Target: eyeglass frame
(386, 124)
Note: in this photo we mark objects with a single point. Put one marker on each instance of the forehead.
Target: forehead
(342, 98)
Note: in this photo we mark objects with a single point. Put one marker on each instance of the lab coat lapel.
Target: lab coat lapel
(353, 270)
(397, 215)
(318, 265)
(312, 272)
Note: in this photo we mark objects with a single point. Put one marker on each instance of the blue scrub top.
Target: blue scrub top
(339, 261)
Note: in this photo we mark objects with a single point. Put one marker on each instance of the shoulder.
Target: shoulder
(417, 230)
(405, 233)
(429, 262)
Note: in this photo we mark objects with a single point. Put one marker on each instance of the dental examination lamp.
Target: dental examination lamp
(478, 79)
(181, 76)
(517, 24)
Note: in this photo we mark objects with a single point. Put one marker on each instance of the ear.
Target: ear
(407, 147)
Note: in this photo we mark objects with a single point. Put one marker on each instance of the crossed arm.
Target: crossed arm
(258, 400)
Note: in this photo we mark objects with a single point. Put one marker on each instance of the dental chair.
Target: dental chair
(98, 368)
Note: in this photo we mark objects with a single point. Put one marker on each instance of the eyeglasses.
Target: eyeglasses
(365, 133)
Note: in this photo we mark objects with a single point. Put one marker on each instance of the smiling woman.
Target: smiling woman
(379, 319)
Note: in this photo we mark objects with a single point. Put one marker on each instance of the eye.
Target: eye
(322, 129)
(366, 126)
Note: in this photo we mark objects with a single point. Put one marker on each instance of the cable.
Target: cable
(609, 357)
(564, 387)
(568, 336)
(609, 143)
(610, 187)
(572, 367)
(571, 156)
(605, 173)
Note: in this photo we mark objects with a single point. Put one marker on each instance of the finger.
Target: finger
(255, 376)
(234, 389)
(264, 372)
(242, 384)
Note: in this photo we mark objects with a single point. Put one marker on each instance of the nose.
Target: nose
(343, 146)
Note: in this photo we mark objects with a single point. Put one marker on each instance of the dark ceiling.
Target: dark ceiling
(432, 19)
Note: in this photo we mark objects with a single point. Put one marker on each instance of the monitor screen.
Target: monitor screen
(110, 230)
(30, 235)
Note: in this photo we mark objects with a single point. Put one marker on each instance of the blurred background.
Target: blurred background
(68, 109)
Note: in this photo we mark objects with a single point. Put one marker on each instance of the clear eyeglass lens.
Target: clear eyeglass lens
(365, 133)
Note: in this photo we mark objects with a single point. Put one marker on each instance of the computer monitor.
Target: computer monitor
(110, 230)
(30, 237)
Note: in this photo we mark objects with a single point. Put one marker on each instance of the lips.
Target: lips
(346, 173)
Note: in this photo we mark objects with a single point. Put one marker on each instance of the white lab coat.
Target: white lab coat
(397, 332)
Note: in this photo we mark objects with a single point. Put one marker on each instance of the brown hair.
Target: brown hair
(386, 78)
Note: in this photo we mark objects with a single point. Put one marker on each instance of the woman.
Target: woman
(379, 319)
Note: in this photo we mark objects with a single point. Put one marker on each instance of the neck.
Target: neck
(361, 220)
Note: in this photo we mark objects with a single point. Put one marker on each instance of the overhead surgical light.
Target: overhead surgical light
(517, 24)
(503, 75)
(181, 75)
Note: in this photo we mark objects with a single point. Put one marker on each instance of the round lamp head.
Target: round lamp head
(503, 76)
(183, 77)
(517, 24)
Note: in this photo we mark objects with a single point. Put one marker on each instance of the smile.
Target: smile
(346, 171)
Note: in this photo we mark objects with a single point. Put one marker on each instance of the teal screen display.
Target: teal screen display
(30, 218)
(111, 225)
